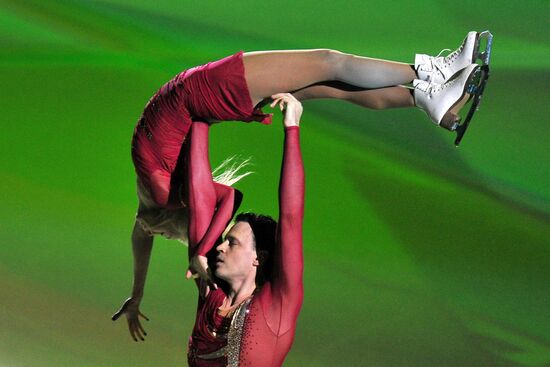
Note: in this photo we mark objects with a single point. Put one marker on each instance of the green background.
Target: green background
(416, 253)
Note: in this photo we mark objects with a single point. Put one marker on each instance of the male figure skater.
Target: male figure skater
(251, 319)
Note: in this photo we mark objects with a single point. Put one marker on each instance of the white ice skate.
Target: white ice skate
(439, 69)
(442, 102)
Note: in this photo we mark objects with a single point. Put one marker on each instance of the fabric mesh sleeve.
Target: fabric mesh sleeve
(286, 294)
(211, 205)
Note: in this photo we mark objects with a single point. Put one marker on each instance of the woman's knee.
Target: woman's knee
(327, 62)
(367, 100)
(377, 104)
(334, 61)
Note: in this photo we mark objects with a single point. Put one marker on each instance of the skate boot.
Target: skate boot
(442, 102)
(440, 69)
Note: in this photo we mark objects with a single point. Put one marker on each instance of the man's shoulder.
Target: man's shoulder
(214, 296)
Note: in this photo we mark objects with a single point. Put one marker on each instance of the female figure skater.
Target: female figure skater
(178, 197)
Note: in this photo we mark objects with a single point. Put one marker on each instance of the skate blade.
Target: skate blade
(485, 55)
(476, 89)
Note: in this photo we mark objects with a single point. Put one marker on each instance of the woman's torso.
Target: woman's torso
(216, 91)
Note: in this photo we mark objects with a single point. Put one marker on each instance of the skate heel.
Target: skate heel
(450, 121)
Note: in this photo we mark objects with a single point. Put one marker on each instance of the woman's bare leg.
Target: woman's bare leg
(377, 99)
(270, 72)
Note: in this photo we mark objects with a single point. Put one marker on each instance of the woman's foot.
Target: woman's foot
(443, 102)
(440, 69)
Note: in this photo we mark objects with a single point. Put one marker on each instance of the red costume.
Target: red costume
(161, 149)
(261, 331)
(170, 154)
(215, 91)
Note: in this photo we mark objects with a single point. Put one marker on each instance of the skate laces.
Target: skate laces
(440, 52)
(439, 60)
(435, 63)
(452, 56)
(425, 87)
(442, 61)
(432, 88)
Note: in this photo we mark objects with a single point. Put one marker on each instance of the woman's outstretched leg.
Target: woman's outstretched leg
(270, 72)
(442, 85)
(377, 99)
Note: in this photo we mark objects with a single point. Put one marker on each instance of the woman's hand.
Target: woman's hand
(198, 268)
(130, 308)
(290, 106)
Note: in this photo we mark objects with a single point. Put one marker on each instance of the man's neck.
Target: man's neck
(239, 291)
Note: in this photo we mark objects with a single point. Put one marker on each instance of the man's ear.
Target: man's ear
(256, 262)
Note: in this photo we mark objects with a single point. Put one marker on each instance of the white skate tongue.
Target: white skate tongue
(421, 59)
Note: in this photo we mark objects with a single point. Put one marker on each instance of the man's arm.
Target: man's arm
(289, 257)
(288, 260)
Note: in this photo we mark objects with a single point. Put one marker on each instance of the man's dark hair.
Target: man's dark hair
(264, 229)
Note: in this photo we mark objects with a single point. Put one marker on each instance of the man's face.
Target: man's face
(237, 257)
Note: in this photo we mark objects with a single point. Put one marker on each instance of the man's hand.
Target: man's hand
(198, 268)
(290, 106)
(130, 308)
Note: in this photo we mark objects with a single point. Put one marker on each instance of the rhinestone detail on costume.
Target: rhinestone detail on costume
(235, 334)
(233, 348)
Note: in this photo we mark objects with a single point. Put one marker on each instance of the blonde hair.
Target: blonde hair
(230, 168)
(172, 223)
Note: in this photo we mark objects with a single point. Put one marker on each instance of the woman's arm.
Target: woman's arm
(201, 193)
(211, 205)
(228, 201)
(142, 244)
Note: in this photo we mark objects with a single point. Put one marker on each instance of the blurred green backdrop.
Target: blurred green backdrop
(417, 253)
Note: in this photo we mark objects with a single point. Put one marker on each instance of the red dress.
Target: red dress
(261, 332)
(214, 91)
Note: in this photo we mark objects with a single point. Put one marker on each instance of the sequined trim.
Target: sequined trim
(235, 334)
(233, 348)
(217, 354)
